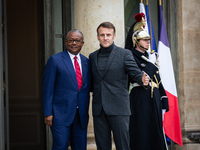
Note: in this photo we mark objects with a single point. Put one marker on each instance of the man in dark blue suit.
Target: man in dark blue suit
(65, 94)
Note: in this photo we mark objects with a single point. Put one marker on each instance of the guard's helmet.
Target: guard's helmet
(138, 29)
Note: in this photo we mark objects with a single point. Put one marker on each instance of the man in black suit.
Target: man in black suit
(111, 66)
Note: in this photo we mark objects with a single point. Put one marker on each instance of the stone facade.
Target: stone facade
(89, 14)
(189, 70)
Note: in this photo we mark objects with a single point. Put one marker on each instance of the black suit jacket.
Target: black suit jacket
(110, 90)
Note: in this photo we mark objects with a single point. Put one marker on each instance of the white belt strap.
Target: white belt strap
(155, 84)
(136, 84)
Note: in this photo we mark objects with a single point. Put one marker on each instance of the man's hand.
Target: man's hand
(48, 120)
(145, 80)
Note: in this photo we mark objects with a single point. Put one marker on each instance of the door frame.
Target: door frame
(49, 38)
(4, 103)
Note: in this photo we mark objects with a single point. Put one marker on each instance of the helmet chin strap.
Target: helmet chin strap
(141, 45)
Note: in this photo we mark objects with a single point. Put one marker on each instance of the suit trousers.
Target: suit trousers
(73, 133)
(119, 125)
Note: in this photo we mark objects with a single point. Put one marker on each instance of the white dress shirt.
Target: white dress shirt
(78, 59)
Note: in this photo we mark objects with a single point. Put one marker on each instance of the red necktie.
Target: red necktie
(78, 73)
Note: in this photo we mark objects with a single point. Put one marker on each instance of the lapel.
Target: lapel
(84, 65)
(68, 63)
(95, 61)
(110, 60)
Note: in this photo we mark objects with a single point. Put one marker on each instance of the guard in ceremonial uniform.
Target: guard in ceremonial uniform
(147, 105)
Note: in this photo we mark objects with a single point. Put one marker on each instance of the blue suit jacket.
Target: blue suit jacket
(60, 93)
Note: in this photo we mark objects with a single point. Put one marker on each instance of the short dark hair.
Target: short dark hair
(75, 30)
(106, 25)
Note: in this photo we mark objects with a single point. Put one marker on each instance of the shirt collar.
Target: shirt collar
(72, 56)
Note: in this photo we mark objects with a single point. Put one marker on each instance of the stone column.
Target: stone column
(87, 17)
(189, 71)
(89, 14)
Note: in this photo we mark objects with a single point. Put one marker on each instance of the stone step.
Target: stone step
(91, 145)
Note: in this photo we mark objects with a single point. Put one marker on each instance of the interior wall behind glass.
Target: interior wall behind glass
(132, 8)
(58, 26)
(170, 18)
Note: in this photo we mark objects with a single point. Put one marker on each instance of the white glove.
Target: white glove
(163, 112)
(152, 57)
